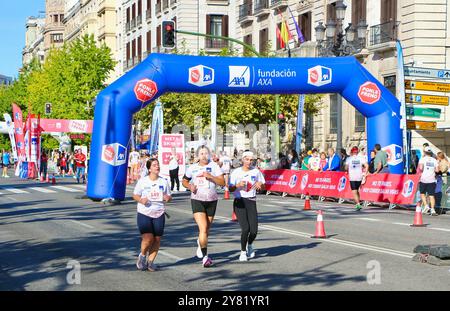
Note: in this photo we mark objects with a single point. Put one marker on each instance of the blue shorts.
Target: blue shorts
(151, 225)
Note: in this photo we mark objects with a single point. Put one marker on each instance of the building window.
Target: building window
(139, 9)
(133, 48)
(216, 25)
(56, 38)
(158, 36)
(360, 122)
(61, 17)
(388, 11)
(331, 12)
(304, 21)
(263, 40)
(333, 114)
(389, 83)
(128, 51)
(133, 11)
(128, 15)
(149, 41)
(139, 47)
(55, 18)
(359, 9)
(247, 40)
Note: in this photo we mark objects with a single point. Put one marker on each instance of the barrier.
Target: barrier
(382, 188)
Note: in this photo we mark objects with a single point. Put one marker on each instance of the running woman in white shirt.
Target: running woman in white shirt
(244, 182)
(357, 169)
(225, 165)
(134, 164)
(151, 192)
(428, 167)
(201, 179)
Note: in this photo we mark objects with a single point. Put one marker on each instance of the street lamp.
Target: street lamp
(332, 41)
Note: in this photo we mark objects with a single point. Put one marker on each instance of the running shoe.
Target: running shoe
(426, 209)
(433, 212)
(199, 250)
(152, 267)
(141, 263)
(207, 262)
(250, 251)
(243, 256)
(358, 207)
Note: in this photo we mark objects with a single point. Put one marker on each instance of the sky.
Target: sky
(13, 16)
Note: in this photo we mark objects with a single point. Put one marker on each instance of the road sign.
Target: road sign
(427, 72)
(427, 86)
(427, 99)
(421, 125)
(423, 112)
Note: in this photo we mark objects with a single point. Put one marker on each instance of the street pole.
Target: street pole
(339, 123)
(277, 133)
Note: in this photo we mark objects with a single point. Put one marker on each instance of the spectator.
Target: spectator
(174, 169)
(293, 160)
(284, 162)
(314, 161)
(323, 161)
(334, 162)
(443, 165)
(428, 166)
(372, 161)
(380, 162)
(344, 156)
(305, 160)
(414, 162)
(80, 163)
(6, 161)
(63, 164)
(43, 168)
(225, 165)
(425, 146)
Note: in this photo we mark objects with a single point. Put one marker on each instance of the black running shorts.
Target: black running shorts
(208, 207)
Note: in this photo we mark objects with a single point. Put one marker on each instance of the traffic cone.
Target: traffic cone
(307, 204)
(320, 229)
(42, 178)
(226, 196)
(418, 222)
(233, 216)
(53, 180)
(128, 179)
(46, 179)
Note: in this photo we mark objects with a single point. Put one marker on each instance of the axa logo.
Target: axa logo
(394, 153)
(114, 154)
(293, 181)
(342, 182)
(408, 188)
(304, 182)
(201, 75)
(239, 76)
(319, 75)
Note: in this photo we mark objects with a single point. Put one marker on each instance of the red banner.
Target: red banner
(18, 132)
(66, 126)
(391, 188)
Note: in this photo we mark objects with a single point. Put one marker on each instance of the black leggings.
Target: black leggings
(174, 178)
(247, 216)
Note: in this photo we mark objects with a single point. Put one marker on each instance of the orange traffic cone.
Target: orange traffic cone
(53, 180)
(418, 222)
(233, 216)
(46, 179)
(307, 204)
(128, 179)
(320, 229)
(226, 195)
(42, 178)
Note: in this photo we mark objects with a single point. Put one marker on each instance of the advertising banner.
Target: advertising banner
(65, 126)
(18, 132)
(168, 143)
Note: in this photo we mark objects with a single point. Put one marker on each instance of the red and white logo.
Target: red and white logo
(369, 93)
(145, 90)
(78, 126)
(195, 76)
(109, 153)
(314, 76)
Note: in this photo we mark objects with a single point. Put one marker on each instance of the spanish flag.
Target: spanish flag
(279, 37)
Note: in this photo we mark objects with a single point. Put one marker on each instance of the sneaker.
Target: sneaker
(141, 263)
(152, 267)
(207, 262)
(243, 256)
(199, 250)
(7, 176)
(426, 209)
(358, 207)
(250, 251)
(433, 212)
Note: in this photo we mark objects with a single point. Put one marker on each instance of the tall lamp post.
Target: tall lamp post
(337, 43)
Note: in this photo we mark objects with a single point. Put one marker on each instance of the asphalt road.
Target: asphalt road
(45, 231)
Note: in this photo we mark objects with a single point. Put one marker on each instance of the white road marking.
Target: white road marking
(15, 190)
(330, 240)
(66, 188)
(440, 229)
(367, 219)
(401, 224)
(79, 186)
(44, 190)
(82, 224)
(170, 255)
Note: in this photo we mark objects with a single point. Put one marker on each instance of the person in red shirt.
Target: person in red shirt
(80, 163)
(44, 161)
(63, 164)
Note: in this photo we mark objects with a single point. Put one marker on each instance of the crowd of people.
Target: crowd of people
(63, 163)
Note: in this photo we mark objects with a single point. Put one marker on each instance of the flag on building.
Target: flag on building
(301, 38)
(279, 38)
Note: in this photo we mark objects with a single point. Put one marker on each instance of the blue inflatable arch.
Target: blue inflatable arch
(161, 73)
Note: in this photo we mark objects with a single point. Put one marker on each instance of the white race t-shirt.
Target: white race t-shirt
(134, 157)
(226, 164)
(355, 167)
(206, 190)
(173, 164)
(154, 191)
(428, 175)
(250, 177)
(314, 163)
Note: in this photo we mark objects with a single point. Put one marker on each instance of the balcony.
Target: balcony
(158, 8)
(148, 15)
(383, 36)
(173, 3)
(127, 27)
(215, 44)
(261, 8)
(245, 13)
(139, 20)
(165, 5)
(278, 4)
(133, 23)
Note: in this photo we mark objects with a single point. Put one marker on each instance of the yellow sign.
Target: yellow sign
(427, 99)
(427, 86)
(421, 125)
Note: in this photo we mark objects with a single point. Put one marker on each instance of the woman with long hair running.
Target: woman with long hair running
(151, 192)
(244, 182)
(201, 179)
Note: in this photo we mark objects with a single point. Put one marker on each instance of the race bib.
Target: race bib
(155, 195)
(201, 182)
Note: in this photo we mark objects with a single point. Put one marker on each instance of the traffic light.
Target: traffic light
(168, 34)
(48, 108)
(281, 125)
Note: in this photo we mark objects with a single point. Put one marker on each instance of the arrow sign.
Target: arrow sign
(427, 99)
(427, 72)
(421, 125)
(423, 112)
(427, 86)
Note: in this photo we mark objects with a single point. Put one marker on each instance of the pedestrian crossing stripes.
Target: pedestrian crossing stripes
(43, 190)
(13, 190)
(66, 189)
